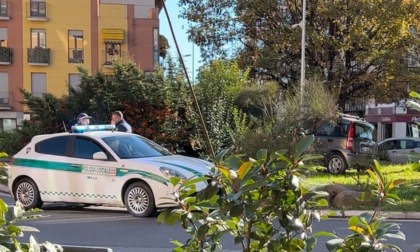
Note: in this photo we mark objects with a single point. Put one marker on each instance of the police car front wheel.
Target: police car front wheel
(139, 200)
(27, 193)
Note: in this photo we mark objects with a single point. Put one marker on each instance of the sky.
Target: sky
(180, 26)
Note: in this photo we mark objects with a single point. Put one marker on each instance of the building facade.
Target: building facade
(393, 120)
(43, 41)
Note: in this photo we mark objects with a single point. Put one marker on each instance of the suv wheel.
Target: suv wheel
(336, 164)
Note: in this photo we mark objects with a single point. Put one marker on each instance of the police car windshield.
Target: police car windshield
(131, 146)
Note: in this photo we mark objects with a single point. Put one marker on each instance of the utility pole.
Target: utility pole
(302, 67)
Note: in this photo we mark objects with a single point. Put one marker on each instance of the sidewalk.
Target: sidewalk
(338, 213)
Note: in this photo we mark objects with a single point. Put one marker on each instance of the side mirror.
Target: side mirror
(100, 156)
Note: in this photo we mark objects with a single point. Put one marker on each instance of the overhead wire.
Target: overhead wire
(210, 146)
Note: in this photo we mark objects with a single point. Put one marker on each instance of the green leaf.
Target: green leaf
(171, 219)
(334, 244)
(377, 169)
(175, 181)
(238, 239)
(219, 157)
(202, 231)
(12, 229)
(194, 180)
(28, 229)
(243, 170)
(236, 210)
(163, 215)
(397, 235)
(414, 95)
(255, 185)
(303, 145)
(324, 234)
(233, 162)
(224, 171)
(262, 154)
(354, 221)
(322, 203)
(3, 206)
(395, 247)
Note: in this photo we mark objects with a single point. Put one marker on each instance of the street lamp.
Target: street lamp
(302, 66)
(302, 25)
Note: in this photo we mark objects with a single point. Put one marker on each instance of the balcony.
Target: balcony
(76, 56)
(111, 56)
(36, 11)
(5, 56)
(4, 10)
(5, 101)
(39, 56)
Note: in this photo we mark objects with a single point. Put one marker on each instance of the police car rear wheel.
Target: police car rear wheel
(26, 192)
(139, 200)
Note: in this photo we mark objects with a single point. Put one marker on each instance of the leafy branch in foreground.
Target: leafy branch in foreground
(369, 231)
(263, 204)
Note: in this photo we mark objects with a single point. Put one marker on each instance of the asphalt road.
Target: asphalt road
(118, 230)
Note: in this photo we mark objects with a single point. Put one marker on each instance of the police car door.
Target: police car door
(92, 179)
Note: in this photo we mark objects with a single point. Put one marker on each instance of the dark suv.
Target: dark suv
(347, 143)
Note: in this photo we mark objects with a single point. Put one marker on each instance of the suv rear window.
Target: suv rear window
(363, 131)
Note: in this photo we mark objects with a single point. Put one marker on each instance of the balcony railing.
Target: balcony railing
(76, 56)
(37, 11)
(4, 10)
(39, 56)
(5, 56)
(38, 94)
(109, 58)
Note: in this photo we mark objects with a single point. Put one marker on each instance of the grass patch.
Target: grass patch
(407, 192)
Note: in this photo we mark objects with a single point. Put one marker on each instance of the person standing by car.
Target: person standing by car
(120, 123)
(83, 119)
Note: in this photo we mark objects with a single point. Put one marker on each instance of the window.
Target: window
(7, 124)
(75, 46)
(38, 8)
(39, 84)
(38, 38)
(113, 50)
(4, 88)
(155, 46)
(364, 132)
(326, 129)
(53, 146)
(85, 148)
(135, 147)
(407, 144)
(3, 8)
(3, 37)
(74, 81)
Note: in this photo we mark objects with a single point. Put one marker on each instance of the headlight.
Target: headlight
(169, 173)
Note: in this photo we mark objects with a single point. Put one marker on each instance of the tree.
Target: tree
(360, 47)
(158, 107)
(218, 85)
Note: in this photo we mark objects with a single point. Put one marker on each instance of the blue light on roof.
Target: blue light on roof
(87, 128)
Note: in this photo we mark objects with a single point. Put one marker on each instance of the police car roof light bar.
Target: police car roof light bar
(87, 128)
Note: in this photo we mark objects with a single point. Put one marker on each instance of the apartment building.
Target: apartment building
(43, 41)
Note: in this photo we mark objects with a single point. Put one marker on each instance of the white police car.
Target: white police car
(95, 166)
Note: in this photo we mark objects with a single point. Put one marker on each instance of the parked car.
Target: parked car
(346, 143)
(100, 167)
(396, 150)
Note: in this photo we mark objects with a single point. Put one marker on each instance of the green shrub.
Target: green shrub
(262, 203)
